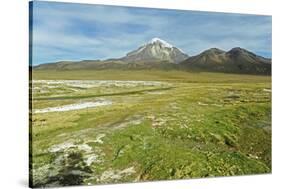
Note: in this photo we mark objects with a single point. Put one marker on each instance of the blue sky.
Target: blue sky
(69, 31)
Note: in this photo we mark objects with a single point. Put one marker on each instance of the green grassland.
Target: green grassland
(188, 125)
(151, 75)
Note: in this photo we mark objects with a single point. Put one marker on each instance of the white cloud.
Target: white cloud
(120, 30)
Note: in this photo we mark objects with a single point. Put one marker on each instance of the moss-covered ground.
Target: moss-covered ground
(174, 125)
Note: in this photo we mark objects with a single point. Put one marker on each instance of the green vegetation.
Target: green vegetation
(148, 75)
(185, 125)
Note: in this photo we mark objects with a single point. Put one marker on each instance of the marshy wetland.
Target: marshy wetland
(99, 127)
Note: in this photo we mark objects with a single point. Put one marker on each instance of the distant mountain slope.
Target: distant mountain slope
(156, 50)
(158, 54)
(237, 60)
(84, 64)
(107, 64)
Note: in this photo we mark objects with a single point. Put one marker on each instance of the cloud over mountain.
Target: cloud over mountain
(70, 31)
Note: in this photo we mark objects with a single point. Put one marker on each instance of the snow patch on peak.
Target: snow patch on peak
(165, 43)
(181, 50)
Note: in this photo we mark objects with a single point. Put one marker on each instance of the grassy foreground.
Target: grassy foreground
(176, 125)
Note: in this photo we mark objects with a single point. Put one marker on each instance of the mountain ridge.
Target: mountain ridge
(159, 54)
(155, 50)
(236, 60)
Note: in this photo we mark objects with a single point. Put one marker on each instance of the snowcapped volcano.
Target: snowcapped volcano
(156, 50)
(161, 42)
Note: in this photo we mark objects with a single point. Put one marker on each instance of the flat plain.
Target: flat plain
(113, 126)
